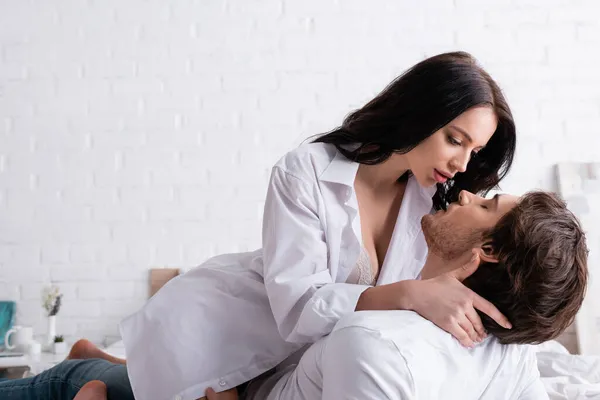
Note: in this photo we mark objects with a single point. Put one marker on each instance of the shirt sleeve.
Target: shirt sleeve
(305, 300)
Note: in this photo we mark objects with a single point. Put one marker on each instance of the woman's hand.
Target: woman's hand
(230, 394)
(449, 304)
(443, 300)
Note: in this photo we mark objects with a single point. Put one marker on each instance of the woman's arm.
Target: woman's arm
(305, 300)
(443, 300)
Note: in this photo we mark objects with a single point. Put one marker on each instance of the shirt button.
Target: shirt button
(222, 383)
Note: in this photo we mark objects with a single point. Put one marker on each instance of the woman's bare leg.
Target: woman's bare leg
(93, 390)
(83, 349)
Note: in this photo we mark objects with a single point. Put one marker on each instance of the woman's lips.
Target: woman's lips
(439, 177)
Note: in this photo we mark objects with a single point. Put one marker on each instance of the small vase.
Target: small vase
(59, 348)
(51, 330)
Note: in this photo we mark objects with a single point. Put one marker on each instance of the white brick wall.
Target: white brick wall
(140, 134)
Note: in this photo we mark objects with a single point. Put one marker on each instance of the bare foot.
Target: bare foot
(93, 390)
(84, 349)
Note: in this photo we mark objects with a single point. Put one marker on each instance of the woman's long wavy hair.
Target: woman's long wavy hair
(420, 102)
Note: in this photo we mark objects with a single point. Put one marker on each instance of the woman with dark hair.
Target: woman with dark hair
(341, 233)
(419, 103)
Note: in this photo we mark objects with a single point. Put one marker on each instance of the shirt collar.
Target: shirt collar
(343, 171)
(340, 170)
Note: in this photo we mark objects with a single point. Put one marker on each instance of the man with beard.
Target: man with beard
(529, 259)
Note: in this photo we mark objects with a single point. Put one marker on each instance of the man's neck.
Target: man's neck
(433, 264)
(436, 265)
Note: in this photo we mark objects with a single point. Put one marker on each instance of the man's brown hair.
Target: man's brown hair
(540, 280)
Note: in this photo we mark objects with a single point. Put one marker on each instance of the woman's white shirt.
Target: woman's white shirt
(238, 315)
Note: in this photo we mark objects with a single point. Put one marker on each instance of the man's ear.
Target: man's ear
(487, 253)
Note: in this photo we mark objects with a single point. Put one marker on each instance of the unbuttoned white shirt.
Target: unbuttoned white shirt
(238, 315)
(399, 355)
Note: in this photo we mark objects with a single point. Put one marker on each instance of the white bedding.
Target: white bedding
(565, 376)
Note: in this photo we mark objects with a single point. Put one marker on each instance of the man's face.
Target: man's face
(452, 233)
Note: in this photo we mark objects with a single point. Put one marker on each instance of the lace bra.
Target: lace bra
(362, 273)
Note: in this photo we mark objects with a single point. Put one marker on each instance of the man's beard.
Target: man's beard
(447, 240)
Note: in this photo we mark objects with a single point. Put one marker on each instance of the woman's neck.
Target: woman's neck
(383, 175)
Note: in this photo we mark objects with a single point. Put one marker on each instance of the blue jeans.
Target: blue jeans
(64, 380)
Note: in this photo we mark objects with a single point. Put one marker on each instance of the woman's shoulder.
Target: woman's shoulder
(307, 161)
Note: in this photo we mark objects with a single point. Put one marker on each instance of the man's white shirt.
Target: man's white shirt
(400, 355)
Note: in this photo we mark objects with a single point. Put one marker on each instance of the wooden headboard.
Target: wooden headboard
(160, 276)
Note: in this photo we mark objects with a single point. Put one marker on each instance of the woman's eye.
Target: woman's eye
(453, 141)
(484, 207)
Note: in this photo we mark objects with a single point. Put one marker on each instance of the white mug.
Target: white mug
(18, 338)
(34, 348)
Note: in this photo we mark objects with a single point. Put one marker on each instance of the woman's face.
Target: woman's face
(448, 151)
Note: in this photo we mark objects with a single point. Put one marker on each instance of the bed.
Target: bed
(568, 376)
